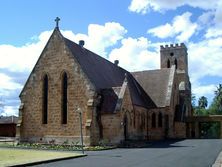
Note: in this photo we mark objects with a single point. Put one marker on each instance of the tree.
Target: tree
(202, 102)
(216, 105)
(201, 108)
(193, 101)
(218, 96)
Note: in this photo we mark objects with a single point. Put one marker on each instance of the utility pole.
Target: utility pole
(81, 135)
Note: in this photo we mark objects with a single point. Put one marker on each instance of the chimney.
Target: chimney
(81, 43)
(116, 62)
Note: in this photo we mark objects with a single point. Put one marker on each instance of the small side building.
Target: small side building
(8, 126)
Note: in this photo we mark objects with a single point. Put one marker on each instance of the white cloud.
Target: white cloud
(218, 14)
(22, 59)
(162, 31)
(143, 6)
(203, 90)
(134, 55)
(206, 18)
(10, 110)
(7, 89)
(213, 32)
(7, 83)
(99, 37)
(139, 6)
(205, 59)
(181, 27)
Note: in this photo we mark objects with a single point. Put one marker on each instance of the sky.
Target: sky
(128, 30)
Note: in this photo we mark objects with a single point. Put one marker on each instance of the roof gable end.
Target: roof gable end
(56, 34)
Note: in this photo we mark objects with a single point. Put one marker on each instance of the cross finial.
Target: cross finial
(57, 22)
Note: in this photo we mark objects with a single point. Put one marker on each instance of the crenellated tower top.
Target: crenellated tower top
(174, 55)
(172, 46)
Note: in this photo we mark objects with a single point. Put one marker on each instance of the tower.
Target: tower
(177, 55)
(174, 55)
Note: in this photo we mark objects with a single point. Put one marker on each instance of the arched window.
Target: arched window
(175, 62)
(45, 100)
(64, 98)
(160, 122)
(168, 63)
(153, 120)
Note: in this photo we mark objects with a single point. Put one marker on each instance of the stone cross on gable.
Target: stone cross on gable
(57, 22)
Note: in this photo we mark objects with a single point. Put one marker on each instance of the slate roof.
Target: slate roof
(155, 83)
(105, 75)
(100, 71)
(108, 101)
(8, 120)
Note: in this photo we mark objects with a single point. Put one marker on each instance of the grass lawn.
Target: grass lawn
(6, 144)
(10, 156)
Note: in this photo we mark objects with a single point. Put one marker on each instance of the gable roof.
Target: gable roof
(101, 72)
(157, 84)
(104, 74)
(55, 31)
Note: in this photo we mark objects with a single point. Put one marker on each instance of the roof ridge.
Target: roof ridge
(95, 54)
(153, 70)
(170, 86)
(105, 74)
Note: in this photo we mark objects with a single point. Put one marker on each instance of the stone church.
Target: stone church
(115, 104)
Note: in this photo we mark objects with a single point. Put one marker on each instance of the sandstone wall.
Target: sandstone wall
(180, 130)
(55, 60)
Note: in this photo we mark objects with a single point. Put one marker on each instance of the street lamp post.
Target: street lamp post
(81, 135)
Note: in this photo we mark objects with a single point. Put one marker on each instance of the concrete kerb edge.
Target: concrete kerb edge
(48, 161)
(218, 162)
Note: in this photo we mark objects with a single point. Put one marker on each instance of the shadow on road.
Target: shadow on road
(151, 144)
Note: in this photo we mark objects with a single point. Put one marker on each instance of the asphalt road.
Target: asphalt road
(185, 153)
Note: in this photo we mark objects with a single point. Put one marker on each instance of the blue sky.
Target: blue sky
(128, 30)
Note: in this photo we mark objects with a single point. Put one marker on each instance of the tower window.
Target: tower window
(45, 100)
(171, 54)
(64, 98)
(168, 63)
(175, 62)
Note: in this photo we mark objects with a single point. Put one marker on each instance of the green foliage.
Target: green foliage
(210, 130)
(66, 142)
(103, 142)
(75, 143)
(202, 102)
(193, 100)
(214, 109)
(63, 147)
(99, 148)
(201, 111)
(217, 102)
